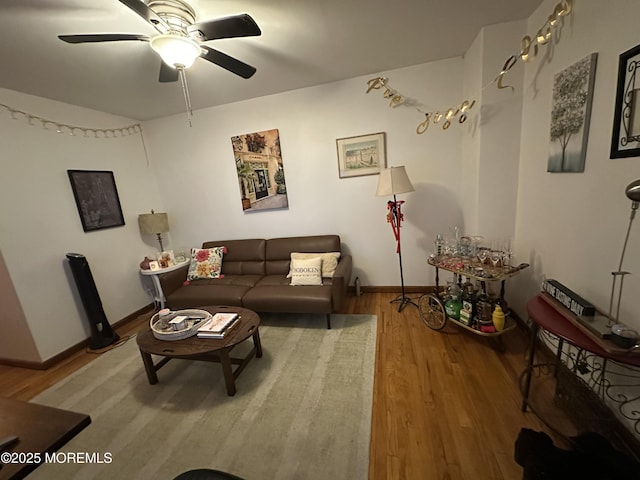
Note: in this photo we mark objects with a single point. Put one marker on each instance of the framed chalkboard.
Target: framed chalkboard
(97, 199)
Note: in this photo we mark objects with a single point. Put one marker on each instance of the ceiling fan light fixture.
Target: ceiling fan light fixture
(175, 50)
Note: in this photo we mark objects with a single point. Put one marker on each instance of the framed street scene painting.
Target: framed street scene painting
(260, 171)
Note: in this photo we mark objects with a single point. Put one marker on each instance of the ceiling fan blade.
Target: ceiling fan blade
(149, 15)
(167, 73)
(228, 63)
(228, 27)
(100, 37)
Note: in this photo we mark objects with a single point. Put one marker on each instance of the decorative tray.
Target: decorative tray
(473, 268)
(194, 320)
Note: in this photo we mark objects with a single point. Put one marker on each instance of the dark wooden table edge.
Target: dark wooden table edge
(15, 471)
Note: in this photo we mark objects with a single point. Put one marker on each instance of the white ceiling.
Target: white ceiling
(303, 43)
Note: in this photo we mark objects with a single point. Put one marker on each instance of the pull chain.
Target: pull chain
(185, 92)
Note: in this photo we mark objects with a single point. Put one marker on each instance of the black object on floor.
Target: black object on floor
(206, 474)
(592, 458)
(101, 333)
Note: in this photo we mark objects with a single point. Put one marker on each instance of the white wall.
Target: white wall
(499, 128)
(471, 139)
(570, 226)
(40, 225)
(491, 144)
(20, 343)
(196, 169)
(191, 175)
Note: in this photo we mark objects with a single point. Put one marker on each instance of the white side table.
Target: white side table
(159, 295)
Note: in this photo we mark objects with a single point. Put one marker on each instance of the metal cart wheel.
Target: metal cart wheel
(432, 311)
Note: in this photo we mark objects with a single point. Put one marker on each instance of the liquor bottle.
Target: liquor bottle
(453, 305)
(481, 298)
(468, 311)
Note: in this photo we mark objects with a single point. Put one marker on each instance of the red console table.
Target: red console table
(547, 316)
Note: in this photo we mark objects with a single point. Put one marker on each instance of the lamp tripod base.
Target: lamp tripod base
(403, 301)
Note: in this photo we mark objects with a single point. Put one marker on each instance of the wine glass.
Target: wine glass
(508, 253)
(496, 258)
(482, 255)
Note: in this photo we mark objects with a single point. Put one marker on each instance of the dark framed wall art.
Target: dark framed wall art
(625, 141)
(97, 199)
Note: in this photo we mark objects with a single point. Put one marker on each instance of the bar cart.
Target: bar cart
(483, 271)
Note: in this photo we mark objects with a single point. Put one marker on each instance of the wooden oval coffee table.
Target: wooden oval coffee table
(205, 349)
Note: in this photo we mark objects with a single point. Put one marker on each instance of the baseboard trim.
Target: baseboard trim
(392, 289)
(71, 350)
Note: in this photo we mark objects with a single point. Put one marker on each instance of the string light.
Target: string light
(73, 130)
(528, 51)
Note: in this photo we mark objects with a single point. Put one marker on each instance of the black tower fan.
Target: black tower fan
(102, 335)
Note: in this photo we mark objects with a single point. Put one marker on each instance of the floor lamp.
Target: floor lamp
(633, 193)
(392, 181)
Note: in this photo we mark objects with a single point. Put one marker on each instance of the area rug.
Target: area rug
(302, 411)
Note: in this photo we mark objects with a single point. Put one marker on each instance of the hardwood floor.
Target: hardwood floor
(446, 404)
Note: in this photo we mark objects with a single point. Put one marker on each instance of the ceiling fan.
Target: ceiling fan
(180, 38)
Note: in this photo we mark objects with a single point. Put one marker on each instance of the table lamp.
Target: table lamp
(392, 181)
(633, 193)
(154, 223)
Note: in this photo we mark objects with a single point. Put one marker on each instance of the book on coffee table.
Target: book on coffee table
(218, 325)
(223, 333)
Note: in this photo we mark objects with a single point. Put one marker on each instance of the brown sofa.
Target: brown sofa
(255, 277)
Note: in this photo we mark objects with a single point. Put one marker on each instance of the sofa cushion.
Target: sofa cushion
(243, 257)
(202, 294)
(307, 271)
(274, 294)
(205, 263)
(278, 251)
(329, 261)
(239, 280)
(227, 290)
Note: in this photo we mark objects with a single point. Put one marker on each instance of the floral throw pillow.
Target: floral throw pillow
(206, 263)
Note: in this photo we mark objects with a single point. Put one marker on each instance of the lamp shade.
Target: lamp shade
(176, 51)
(633, 191)
(393, 180)
(151, 223)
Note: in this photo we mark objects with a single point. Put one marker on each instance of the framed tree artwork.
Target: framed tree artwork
(625, 141)
(570, 115)
(97, 199)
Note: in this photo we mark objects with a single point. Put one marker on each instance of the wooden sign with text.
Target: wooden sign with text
(571, 300)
